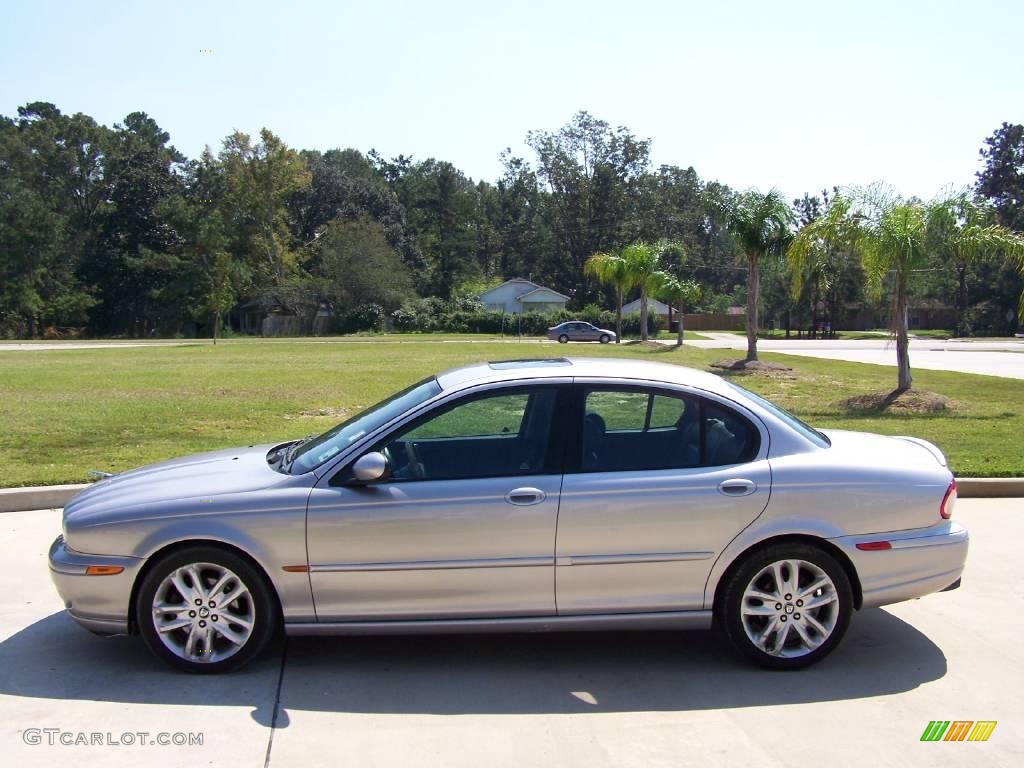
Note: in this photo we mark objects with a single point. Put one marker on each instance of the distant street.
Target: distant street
(991, 358)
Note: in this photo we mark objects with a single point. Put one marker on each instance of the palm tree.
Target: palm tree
(611, 269)
(892, 236)
(962, 230)
(634, 266)
(683, 293)
(760, 223)
(642, 264)
(824, 263)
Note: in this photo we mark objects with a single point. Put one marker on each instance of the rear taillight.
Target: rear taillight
(948, 501)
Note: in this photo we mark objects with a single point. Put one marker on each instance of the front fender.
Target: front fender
(272, 544)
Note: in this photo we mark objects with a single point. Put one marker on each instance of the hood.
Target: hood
(204, 475)
(881, 449)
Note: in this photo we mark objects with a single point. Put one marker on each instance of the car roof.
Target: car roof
(581, 367)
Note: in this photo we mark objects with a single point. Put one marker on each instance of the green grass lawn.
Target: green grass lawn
(65, 412)
(671, 335)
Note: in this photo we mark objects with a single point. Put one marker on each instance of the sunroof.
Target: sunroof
(549, 362)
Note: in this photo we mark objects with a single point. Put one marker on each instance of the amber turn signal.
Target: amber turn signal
(103, 570)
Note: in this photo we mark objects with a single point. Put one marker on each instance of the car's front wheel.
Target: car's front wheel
(786, 606)
(204, 609)
(605, 338)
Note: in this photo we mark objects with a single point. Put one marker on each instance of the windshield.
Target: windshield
(807, 431)
(332, 442)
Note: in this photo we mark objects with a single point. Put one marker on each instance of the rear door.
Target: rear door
(658, 483)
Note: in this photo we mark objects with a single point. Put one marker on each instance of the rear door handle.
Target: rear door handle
(737, 487)
(524, 497)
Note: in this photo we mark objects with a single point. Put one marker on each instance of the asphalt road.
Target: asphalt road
(594, 700)
(990, 358)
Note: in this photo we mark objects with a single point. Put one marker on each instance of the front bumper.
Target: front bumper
(101, 604)
(919, 562)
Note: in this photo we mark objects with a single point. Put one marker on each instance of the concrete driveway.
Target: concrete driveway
(991, 358)
(595, 700)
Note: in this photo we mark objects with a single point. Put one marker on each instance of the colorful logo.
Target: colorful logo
(958, 730)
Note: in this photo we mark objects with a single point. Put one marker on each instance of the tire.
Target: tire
(743, 617)
(563, 339)
(605, 338)
(206, 627)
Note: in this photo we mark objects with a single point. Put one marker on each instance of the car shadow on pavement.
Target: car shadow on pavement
(557, 673)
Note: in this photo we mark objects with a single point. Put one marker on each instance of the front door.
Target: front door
(659, 484)
(465, 525)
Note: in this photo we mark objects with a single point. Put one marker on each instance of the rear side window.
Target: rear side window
(633, 429)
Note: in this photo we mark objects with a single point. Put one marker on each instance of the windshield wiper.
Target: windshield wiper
(289, 455)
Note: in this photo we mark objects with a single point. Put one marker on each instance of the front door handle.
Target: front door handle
(524, 497)
(737, 487)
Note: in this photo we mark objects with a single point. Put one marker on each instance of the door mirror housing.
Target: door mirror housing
(370, 467)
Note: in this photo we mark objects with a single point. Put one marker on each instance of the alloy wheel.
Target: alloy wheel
(789, 608)
(203, 613)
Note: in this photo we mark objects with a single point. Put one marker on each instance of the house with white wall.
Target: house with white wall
(517, 296)
(654, 307)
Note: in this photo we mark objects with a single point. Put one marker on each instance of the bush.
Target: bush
(434, 315)
(368, 317)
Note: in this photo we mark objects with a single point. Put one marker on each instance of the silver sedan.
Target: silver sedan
(577, 330)
(529, 495)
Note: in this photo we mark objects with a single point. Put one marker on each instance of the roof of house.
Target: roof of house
(513, 280)
(652, 305)
(540, 289)
(529, 286)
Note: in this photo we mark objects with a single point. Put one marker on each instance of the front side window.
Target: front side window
(500, 434)
(312, 454)
(632, 429)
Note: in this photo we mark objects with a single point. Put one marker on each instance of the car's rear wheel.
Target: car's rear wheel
(605, 338)
(563, 339)
(204, 609)
(786, 606)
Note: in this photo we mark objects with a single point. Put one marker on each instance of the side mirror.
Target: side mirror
(370, 467)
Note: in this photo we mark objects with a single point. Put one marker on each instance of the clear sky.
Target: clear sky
(797, 95)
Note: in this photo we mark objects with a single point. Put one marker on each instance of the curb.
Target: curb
(989, 487)
(55, 496)
(38, 497)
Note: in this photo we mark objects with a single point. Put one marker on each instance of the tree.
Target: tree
(1001, 183)
(965, 231)
(52, 198)
(684, 294)
(355, 265)
(440, 205)
(133, 263)
(1002, 179)
(823, 266)
(892, 236)
(592, 176)
(643, 262)
(760, 223)
(259, 179)
(611, 269)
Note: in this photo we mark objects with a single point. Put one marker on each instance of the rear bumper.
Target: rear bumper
(919, 563)
(98, 603)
